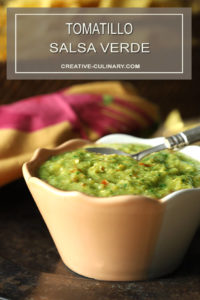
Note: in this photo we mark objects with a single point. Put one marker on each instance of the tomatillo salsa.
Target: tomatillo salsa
(109, 175)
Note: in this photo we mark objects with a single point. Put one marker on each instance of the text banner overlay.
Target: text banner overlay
(103, 43)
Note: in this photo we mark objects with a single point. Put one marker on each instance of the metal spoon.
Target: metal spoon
(173, 142)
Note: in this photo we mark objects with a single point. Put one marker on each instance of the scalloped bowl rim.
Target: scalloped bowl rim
(112, 199)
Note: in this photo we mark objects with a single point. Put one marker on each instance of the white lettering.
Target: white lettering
(53, 48)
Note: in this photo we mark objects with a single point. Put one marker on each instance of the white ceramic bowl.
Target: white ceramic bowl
(116, 238)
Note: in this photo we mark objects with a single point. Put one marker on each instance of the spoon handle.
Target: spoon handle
(183, 138)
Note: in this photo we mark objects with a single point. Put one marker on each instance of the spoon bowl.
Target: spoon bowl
(173, 142)
(137, 156)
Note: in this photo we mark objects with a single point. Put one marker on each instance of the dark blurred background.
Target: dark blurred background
(168, 94)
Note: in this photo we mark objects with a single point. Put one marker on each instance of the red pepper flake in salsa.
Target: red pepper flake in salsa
(145, 165)
(105, 182)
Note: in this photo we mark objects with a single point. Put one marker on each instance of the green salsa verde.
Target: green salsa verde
(109, 175)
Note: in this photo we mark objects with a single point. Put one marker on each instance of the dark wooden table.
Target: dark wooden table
(31, 269)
